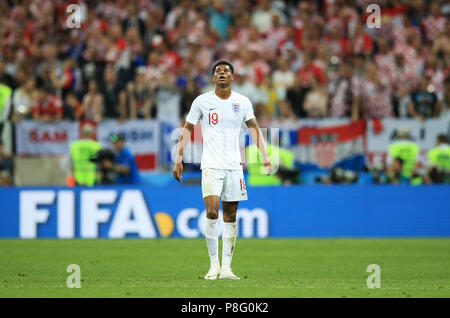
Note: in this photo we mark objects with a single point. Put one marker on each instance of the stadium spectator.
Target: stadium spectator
(385, 56)
(424, 102)
(361, 41)
(434, 23)
(295, 96)
(316, 100)
(337, 43)
(168, 99)
(139, 97)
(251, 61)
(246, 87)
(309, 70)
(133, 20)
(220, 19)
(375, 93)
(189, 93)
(22, 100)
(64, 82)
(6, 167)
(93, 103)
(445, 103)
(403, 81)
(284, 76)
(125, 164)
(77, 46)
(50, 64)
(6, 78)
(434, 69)
(262, 17)
(135, 48)
(341, 92)
(276, 104)
(114, 96)
(47, 106)
(73, 109)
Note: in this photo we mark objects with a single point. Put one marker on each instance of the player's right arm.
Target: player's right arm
(185, 136)
(191, 120)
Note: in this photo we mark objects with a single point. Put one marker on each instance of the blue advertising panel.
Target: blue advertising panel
(178, 211)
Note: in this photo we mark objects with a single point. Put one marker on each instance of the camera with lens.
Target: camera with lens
(107, 176)
(288, 175)
(339, 176)
(438, 175)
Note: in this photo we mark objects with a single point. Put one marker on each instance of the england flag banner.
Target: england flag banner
(142, 137)
(37, 138)
(322, 148)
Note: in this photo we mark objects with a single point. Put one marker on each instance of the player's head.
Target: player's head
(223, 74)
(118, 141)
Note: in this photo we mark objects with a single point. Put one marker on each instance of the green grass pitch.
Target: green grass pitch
(267, 267)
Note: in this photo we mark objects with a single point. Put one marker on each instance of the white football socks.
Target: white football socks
(229, 240)
(212, 240)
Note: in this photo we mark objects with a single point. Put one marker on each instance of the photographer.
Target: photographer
(339, 176)
(103, 160)
(439, 162)
(124, 165)
(393, 174)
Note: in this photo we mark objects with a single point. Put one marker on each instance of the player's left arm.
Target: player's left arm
(258, 139)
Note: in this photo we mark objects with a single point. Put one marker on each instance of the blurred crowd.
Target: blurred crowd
(293, 59)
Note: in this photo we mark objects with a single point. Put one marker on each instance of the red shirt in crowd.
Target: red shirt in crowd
(51, 107)
(306, 74)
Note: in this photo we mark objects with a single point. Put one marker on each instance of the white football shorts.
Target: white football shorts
(228, 184)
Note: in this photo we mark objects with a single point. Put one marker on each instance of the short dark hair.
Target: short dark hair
(360, 56)
(442, 138)
(400, 160)
(117, 137)
(222, 63)
(48, 88)
(447, 80)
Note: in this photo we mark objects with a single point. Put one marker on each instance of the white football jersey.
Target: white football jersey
(221, 122)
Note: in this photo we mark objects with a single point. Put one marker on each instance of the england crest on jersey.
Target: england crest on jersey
(235, 107)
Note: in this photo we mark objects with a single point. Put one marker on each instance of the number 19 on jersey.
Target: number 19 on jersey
(213, 118)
